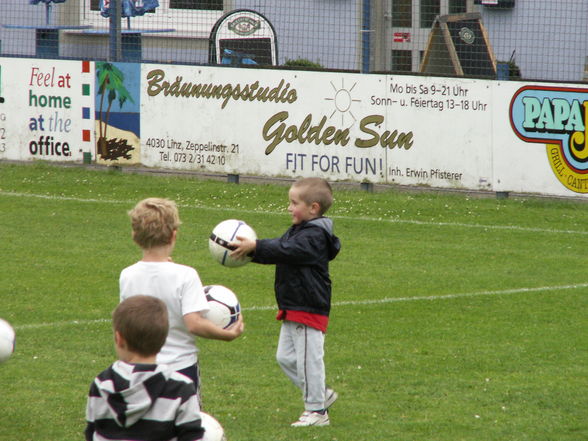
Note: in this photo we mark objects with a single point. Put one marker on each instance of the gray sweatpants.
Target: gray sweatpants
(300, 355)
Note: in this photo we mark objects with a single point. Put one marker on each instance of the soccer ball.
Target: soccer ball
(224, 307)
(213, 430)
(225, 233)
(7, 337)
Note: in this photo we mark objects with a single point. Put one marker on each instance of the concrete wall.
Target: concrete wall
(548, 37)
(323, 31)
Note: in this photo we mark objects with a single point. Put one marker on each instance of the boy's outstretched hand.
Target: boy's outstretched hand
(243, 247)
(236, 329)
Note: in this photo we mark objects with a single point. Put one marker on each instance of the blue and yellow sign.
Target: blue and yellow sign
(558, 118)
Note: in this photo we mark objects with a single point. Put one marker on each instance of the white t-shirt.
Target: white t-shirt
(180, 288)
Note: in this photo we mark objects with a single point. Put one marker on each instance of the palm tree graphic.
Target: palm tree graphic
(111, 85)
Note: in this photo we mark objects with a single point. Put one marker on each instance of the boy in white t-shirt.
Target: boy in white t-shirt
(155, 223)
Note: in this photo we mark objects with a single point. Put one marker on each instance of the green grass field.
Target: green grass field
(454, 317)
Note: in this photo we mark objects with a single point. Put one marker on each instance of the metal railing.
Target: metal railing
(503, 39)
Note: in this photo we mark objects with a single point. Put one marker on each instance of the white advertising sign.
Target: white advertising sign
(365, 128)
(450, 120)
(540, 140)
(410, 130)
(279, 123)
(46, 109)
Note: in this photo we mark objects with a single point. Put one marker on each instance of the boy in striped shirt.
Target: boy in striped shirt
(135, 398)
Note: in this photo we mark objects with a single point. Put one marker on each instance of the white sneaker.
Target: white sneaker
(330, 397)
(312, 419)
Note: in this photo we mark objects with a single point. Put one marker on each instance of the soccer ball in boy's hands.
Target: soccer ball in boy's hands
(225, 233)
(224, 307)
(213, 431)
(7, 337)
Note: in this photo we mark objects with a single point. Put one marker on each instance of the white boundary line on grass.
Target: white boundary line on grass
(283, 213)
(349, 303)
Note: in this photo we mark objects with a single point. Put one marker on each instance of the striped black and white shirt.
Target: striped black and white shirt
(144, 402)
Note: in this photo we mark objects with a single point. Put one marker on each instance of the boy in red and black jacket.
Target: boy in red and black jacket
(303, 292)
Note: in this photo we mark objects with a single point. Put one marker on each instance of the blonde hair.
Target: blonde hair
(143, 322)
(315, 190)
(154, 221)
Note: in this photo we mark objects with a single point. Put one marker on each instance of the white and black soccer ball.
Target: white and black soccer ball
(213, 431)
(225, 233)
(223, 304)
(7, 339)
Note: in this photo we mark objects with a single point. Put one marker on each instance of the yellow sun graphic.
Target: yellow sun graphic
(343, 100)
